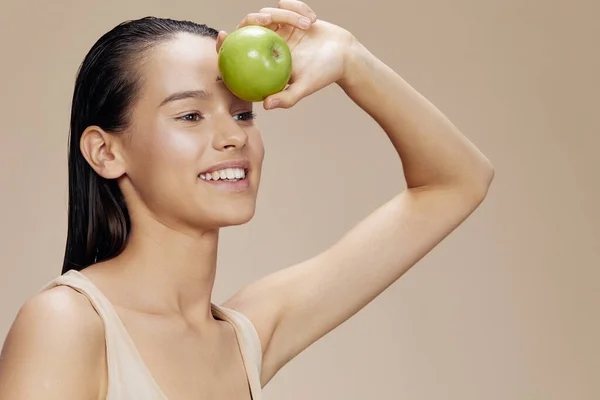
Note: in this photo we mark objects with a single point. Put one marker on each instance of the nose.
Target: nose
(229, 135)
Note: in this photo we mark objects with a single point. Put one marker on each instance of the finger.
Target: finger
(286, 31)
(259, 18)
(299, 7)
(286, 98)
(220, 38)
(292, 18)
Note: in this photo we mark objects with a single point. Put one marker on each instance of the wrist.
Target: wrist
(356, 60)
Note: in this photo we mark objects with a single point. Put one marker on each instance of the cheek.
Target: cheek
(257, 145)
(167, 155)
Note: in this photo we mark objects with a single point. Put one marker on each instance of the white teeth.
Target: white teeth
(228, 173)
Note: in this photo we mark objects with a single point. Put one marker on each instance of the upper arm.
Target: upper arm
(54, 349)
(294, 307)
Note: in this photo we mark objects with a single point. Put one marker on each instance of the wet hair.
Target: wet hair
(107, 85)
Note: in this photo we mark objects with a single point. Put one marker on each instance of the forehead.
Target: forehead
(187, 62)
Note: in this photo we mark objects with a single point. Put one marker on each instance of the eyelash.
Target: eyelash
(197, 117)
(248, 116)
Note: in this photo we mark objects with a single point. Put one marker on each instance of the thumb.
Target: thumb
(287, 98)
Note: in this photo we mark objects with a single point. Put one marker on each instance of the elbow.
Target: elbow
(479, 186)
(474, 186)
(471, 185)
(488, 174)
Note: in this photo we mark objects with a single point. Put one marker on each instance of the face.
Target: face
(186, 126)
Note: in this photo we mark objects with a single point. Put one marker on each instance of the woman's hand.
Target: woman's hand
(319, 49)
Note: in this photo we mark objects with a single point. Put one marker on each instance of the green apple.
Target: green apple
(255, 62)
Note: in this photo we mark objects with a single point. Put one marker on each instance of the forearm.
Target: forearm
(431, 148)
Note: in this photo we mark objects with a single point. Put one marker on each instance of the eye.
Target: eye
(191, 117)
(245, 116)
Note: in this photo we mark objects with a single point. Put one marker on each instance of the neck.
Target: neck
(167, 271)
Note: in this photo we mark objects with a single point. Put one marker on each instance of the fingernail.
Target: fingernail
(273, 104)
(313, 16)
(304, 23)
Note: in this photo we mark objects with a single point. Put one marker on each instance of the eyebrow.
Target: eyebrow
(188, 94)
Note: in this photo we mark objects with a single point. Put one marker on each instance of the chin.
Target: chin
(222, 217)
(236, 219)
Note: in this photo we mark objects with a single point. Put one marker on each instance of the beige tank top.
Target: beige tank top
(128, 376)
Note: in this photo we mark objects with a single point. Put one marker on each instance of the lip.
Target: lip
(243, 163)
(237, 186)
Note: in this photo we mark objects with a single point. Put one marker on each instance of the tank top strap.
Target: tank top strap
(128, 376)
(249, 343)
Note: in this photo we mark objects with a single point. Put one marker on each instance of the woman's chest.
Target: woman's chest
(185, 364)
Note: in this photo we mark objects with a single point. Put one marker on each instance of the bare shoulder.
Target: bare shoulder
(54, 349)
(62, 308)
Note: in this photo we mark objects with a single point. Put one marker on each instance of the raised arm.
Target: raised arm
(447, 178)
(54, 350)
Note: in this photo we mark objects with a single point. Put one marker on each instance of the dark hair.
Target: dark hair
(106, 87)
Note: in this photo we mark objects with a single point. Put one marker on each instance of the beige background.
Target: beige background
(505, 308)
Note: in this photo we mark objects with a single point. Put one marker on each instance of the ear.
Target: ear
(102, 151)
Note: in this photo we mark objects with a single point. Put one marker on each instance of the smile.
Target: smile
(231, 179)
(227, 174)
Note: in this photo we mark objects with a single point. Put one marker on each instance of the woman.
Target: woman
(162, 156)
